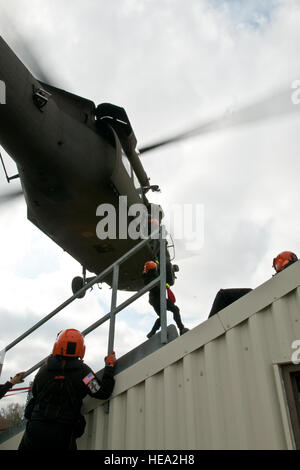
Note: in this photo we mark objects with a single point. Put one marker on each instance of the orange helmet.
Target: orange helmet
(149, 266)
(283, 260)
(69, 343)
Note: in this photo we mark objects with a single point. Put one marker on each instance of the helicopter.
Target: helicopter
(72, 155)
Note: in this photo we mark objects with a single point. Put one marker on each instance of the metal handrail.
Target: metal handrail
(114, 309)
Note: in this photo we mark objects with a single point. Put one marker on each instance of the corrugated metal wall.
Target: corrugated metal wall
(216, 387)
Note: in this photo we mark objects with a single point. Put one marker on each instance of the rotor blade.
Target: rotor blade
(25, 51)
(31, 61)
(7, 197)
(278, 104)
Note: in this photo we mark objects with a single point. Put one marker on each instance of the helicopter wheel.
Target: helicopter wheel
(78, 284)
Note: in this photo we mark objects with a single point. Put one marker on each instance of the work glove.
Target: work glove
(110, 360)
(17, 379)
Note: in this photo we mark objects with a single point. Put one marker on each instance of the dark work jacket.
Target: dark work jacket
(149, 277)
(62, 403)
(4, 388)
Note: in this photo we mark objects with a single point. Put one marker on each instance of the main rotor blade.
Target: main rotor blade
(278, 104)
(28, 54)
(31, 61)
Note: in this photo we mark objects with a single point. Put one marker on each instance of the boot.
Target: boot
(150, 334)
(155, 327)
(183, 330)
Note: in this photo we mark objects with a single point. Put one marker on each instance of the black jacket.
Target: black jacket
(60, 386)
(4, 388)
(149, 277)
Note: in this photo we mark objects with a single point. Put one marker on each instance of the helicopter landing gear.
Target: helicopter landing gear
(79, 282)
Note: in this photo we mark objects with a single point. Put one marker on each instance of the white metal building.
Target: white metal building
(230, 383)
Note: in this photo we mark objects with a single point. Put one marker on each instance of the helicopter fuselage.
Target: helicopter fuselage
(67, 168)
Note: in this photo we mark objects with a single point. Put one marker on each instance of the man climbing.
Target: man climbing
(150, 273)
(53, 414)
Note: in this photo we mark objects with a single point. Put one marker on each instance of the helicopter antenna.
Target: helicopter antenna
(9, 178)
(172, 246)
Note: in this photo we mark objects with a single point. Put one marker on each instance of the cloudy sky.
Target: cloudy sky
(172, 65)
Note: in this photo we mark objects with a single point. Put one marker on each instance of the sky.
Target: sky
(171, 65)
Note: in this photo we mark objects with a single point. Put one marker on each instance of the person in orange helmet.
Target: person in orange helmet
(226, 297)
(283, 260)
(150, 272)
(53, 414)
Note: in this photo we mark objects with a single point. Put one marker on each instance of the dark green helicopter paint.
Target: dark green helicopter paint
(68, 166)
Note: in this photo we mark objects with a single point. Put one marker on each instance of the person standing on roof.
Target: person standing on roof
(283, 260)
(17, 379)
(226, 297)
(53, 414)
(150, 273)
